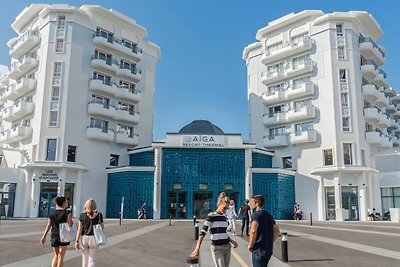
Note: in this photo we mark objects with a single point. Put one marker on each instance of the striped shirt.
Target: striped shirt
(217, 224)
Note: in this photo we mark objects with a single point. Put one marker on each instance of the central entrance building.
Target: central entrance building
(183, 175)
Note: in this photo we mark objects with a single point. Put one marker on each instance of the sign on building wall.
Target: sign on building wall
(203, 140)
(49, 175)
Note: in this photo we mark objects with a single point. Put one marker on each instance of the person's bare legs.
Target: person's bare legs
(61, 255)
(54, 262)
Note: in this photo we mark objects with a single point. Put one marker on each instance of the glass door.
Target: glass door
(177, 205)
(46, 203)
(202, 204)
(330, 203)
(350, 203)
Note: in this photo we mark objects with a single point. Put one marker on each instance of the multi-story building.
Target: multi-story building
(78, 93)
(319, 98)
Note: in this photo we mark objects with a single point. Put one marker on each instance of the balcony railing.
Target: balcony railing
(113, 40)
(369, 40)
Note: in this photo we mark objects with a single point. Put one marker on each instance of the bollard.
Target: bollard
(121, 213)
(193, 262)
(311, 218)
(194, 220)
(169, 219)
(284, 242)
(196, 230)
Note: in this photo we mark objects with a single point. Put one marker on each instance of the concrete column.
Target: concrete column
(363, 203)
(78, 201)
(321, 200)
(33, 178)
(157, 183)
(248, 188)
(338, 199)
(61, 182)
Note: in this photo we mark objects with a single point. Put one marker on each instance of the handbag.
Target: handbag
(99, 235)
(67, 234)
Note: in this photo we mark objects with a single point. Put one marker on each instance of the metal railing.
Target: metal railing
(369, 40)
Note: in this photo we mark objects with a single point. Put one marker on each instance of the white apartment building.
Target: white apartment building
(319, 98)
(77, 94)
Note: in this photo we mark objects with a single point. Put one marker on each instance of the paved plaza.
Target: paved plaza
(155, 243)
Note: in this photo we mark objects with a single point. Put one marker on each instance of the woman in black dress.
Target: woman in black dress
(58, 215)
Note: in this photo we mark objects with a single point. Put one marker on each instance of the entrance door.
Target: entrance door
(177, 205)
(350, 203)
(202, 204)
(46, 203)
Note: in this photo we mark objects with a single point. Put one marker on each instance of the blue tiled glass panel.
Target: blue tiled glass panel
(142, 159)
(261, 161)
(278, 191)
(136, 187)
(190, 167)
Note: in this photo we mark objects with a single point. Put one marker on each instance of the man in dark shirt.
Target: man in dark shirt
(244, 211)
(263, 233)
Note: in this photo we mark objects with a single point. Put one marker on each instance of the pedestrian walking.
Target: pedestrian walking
(263, 232)
(245, 214)
(232, 216)
(217, 224)
(85, 235)
(58, 215)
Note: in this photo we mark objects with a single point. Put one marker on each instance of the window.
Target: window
(103, 56)
(101, 100)
(127, 85)
(228, 187)
(339, 29)
(100, 124)
(390, 199)
(126, 107)
(57, 69)
(279, 131)
(300, 61)
(276, 110)
(114, 159)
(130, 45)
(287, 162)
(297, 83)
(71, 153)
(342, 75)
(303, 127)
(344, 99)
(53, 118)
(345, 125)
(105, 78)
(341, 52)
(51, 149)
(105, 34)
(61, 22)
(328, 157)
(59, 45)
(127, 130)
(368, 127)
(347, 154)
(55, 95)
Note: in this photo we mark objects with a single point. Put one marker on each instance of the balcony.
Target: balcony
(276, 140)
(302, 113)
(16, 134)
(376, 117)
(303, 68)
(390, 109)
(274, 97)
(374, 138)
(270, 119)
(389, 91)
(382, 100)
(4, 79)
(132, 51)
(103, 87)
(268, 77)
(102, 134)
(122, 137)
(396, 141)
(130, 73)
(126, 116)
(380, 79)
(19, 110)
(23, 86)
(396, 99)
(369, 69)
(286, 50)
(305, 89)
(393, 124)
(300, 137)
(130, 95)
(370, 92)
(103, 64)
(396, 114)
(370, 50)
(387, 142)
(101, 109)
(23, 44)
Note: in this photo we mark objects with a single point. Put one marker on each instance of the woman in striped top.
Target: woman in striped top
(217, 223)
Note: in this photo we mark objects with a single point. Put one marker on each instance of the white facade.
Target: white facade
(318, 97)
(79, 91)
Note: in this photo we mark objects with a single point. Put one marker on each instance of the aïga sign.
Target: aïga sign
(203, 140)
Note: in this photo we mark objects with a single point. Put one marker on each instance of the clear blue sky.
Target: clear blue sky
(201, 74)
